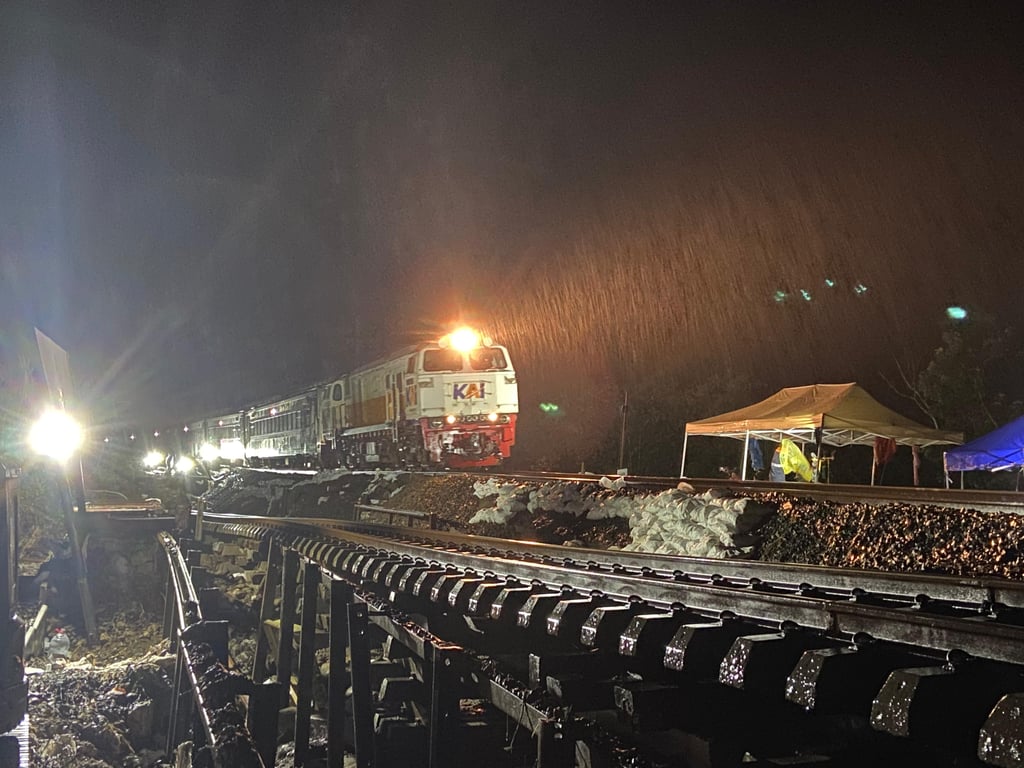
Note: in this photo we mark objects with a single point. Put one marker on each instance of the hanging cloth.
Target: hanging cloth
(754, 452)
(885, 449)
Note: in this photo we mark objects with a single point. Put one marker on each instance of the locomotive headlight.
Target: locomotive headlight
(153, 459)
(464, 339)
(492, 417)
(450, 418)
(208, 452)
(56, 435)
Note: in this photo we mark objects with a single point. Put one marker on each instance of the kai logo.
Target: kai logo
(469, 391)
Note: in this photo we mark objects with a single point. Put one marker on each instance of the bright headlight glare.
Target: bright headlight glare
(232, 451)
(208, 452)
(153, 459)
(56, 435)
(450, 418)
(492, 417)
(464, 339)
(184, 465)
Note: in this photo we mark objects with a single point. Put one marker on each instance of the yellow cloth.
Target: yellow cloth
(793, 460)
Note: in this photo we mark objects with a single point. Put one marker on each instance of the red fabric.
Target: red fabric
(885, 449)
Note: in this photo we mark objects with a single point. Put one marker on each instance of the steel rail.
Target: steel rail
(973, 625)
(964, 590)
(212, 688)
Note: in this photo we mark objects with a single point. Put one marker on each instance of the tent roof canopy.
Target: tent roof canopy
(845, 413)
(1002, 448)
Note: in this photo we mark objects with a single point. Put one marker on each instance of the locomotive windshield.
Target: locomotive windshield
(442, 360)
(487, 358)
(480, 359)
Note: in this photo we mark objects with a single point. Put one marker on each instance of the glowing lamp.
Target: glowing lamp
(153, 459)
(492, 417)
(184, 465)
(208, 452)
(450, 418)
(232, 450)
(56, 435)
(464, 339)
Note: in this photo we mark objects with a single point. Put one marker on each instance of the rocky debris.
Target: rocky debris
(450, 497)
(896, 537)
(279, 493)
(95, 717)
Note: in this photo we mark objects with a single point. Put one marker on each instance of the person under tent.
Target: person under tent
(776, 474)
(789, 460)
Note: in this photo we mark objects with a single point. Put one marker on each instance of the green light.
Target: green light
(830, 282)
(806, 294)
(860, 289)
(549, 407)
(956, 313)
(780, 296)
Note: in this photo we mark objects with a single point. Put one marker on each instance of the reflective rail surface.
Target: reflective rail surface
(933, 663)
(203, 700)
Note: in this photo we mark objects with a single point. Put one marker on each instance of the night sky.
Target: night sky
(213, 202)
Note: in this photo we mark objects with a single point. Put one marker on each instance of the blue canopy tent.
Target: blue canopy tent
(1000, 449)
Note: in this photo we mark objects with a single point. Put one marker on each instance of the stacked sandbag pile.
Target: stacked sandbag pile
(511, 499)
(595, 502)
(706, 525)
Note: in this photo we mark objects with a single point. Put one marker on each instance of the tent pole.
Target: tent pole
(945, 469)
(682, 463)
(961, 480)
(873, 465)
(746, 448)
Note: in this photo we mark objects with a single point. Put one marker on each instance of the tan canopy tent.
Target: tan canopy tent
(829, 414)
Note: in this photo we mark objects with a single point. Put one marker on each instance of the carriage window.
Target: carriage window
(442, 360)
(410, 366)
(338, 393)
(487, 358)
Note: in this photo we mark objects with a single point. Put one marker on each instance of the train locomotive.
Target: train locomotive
(451, 403)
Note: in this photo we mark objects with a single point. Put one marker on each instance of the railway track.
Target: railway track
(616, 658)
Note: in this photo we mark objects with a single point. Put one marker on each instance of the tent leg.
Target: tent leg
(682, 463)
(746, 448)
(873, 465)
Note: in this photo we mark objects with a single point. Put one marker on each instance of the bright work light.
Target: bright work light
(184, 465)
(153, 459)
(56, 435)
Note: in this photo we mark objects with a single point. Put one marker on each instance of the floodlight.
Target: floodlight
(56, 434)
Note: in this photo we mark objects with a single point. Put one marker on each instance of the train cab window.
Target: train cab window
(487, 359)
(410, 366)
(442, 360)
(338, 393)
